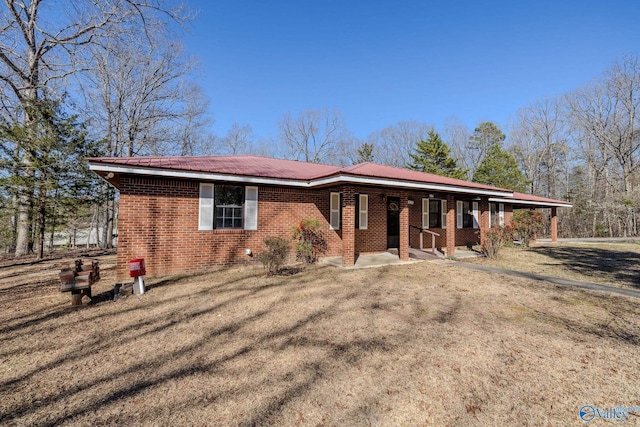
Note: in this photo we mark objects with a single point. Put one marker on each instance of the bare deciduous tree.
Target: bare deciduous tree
(37, 49)
(139, 102)
(395, 143)
(312, 135)
(539, 141)
(193, 122)
(238, 140)
(606, 116)
(457, 134)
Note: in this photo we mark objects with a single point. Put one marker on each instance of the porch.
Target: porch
(391, 257)
(374, 220)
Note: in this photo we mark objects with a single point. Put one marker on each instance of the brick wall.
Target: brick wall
(463, 237)
(415, 219)
(374, 238)
(348, 225)
(508, 214)
(158, 221)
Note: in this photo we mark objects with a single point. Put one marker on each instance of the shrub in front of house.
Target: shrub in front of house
(275, 254)
(310, 243)
(526, 223)
(495, 239)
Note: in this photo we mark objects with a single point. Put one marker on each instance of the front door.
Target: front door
(393, 222)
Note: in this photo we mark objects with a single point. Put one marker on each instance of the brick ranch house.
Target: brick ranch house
(188, 213)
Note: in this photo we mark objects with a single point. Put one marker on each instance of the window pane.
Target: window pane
(229, 200)
(229, 195)
(435, 214)
(467, 215)
(493, 208)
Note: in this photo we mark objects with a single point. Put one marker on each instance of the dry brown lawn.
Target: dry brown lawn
(419, 344)
(609, 263)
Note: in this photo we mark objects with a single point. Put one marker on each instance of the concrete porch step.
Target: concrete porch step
(424, 255)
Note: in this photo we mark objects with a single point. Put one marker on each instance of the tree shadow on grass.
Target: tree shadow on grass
(177, 364)
(617, 329)
(622, 266)
(224, 334)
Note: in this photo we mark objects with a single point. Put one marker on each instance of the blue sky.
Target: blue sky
(380, 62)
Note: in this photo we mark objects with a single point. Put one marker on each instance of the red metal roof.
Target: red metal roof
(241, 165)
(256, 166)
(389, 172)
(264, 167)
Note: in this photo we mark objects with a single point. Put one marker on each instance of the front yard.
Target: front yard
(419, 344)
(609, 263)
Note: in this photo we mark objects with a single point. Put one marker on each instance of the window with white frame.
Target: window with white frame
(334, 211)
(205, 220)
(362, 211)
(496, 217)
(467, 214)
(228, 207)
(434, 213)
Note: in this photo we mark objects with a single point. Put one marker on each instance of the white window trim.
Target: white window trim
(206, 203)
(425, 213)
(490, 215)
(443, 209)
(501, 214)
(476, 216)
(334, 208)
(251, 208)
(363, 218)
(460, 214)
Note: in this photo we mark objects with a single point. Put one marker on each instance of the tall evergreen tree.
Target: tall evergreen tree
(500, 169)
(434, 156)
(365, 153)
(54, 147)
(485, 136)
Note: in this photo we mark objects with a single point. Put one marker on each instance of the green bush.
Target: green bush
(275, 254)
(526, 223)
(310, 241)
(495, 239)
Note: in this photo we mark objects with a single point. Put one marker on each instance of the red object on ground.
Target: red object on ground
(136, 267)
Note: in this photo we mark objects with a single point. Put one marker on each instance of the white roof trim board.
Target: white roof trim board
(530, 202)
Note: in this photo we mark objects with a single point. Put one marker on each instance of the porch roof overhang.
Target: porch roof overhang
(531, 201)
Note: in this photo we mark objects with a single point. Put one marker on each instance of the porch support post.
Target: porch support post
(348, 226)
(451, 225)
(403, 250)
(484, 218)
(534, 238)
(554, 224)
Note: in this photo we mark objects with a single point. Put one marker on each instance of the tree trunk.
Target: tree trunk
(24, 201)
(93, 221)
(110, 221)
(97, 225)
(53, 233)
(42, 220)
